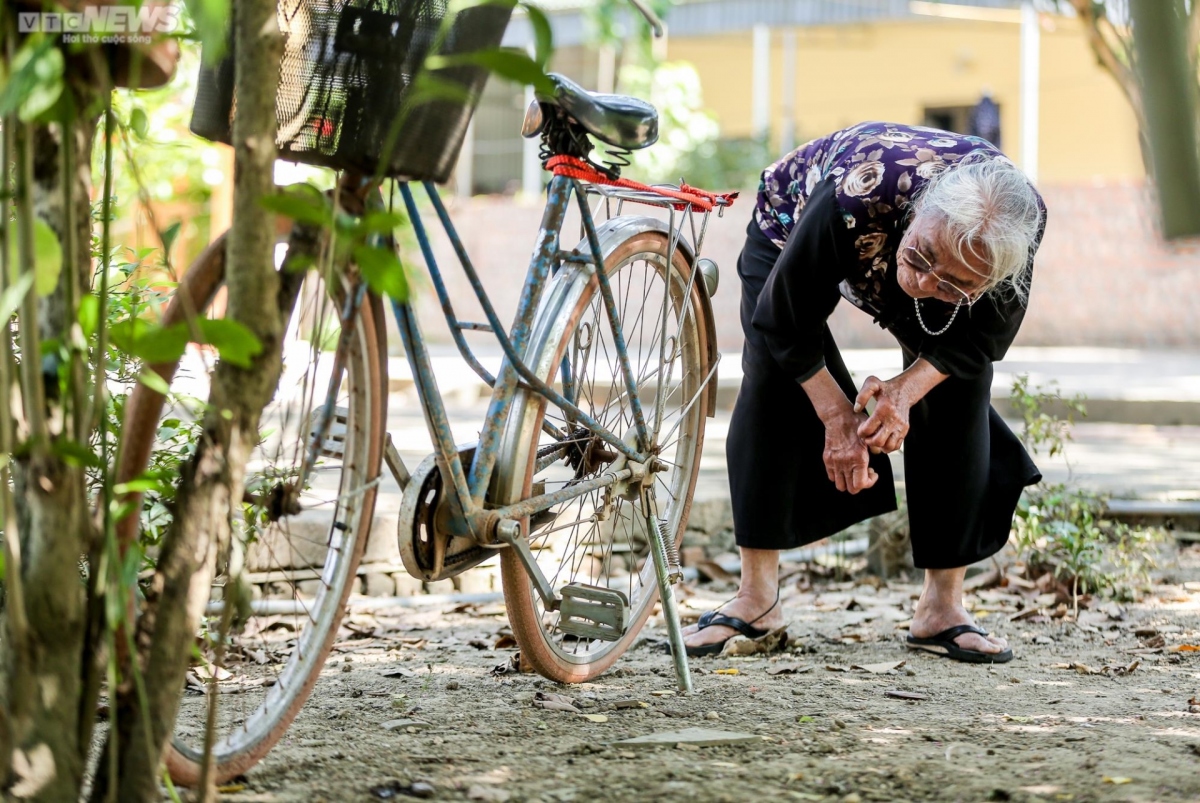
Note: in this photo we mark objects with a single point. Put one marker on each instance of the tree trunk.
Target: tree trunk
(214, 477)
(45, 667)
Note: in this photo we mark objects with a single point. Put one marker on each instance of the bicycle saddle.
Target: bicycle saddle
(620, 121)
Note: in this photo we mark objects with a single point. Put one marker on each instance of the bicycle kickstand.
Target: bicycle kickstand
(668, 572)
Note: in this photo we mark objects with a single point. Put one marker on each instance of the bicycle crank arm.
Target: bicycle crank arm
(509, 532)
(395, 464)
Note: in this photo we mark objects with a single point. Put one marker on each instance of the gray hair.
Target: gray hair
(991, 212)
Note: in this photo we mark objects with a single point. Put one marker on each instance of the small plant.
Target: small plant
(1059, 528)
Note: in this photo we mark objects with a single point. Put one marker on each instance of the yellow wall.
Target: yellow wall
(892, 71)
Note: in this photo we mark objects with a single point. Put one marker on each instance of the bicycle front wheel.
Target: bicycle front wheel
(601, 538)
(304, 531)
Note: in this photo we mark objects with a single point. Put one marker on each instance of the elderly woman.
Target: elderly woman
(932, 234)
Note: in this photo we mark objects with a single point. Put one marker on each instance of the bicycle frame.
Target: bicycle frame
(468, 484)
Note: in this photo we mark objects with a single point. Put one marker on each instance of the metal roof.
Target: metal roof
(707, 17)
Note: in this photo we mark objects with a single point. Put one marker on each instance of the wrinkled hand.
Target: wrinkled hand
(846, 454)
(887, 427)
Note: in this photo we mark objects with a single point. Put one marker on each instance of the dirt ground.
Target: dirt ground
(1090, 710)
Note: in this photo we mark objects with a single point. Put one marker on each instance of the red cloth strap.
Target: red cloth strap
(572, 167)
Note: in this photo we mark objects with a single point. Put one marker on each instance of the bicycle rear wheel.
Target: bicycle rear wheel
(305, 535)
(600, 539)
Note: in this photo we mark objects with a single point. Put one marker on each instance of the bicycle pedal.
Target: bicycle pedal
(591, 612)
(334, 443)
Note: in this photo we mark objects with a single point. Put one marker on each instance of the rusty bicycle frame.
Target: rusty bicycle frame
(468, 484)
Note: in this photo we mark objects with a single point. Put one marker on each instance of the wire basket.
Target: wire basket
(344, 81)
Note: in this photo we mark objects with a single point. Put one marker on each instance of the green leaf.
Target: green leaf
(153, 381)
(170, 233)
(10, 300)
(75, 453)
(89, 315)
(303, 203)
(381, 222)
(139, 485)
(429, 88)
(382, 271)
(35, 81)
(235, 342)
(507, 63)
(139, 122)
(543, 36)
(212, 25)
(47, 258)
(149, 342)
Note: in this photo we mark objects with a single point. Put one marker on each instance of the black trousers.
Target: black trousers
(964, 468)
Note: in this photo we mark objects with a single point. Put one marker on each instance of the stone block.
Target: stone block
(382, 546)
(378, 584)
(440, 587)
(407, 585)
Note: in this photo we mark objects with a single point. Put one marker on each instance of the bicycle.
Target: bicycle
(584, 471)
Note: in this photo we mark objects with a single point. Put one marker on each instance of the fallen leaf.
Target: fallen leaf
(1118, 779)
(772, 642)
(900, 694)
(666, 692)
(505, 642)
(400, 673)
(789, 669)
(554, 702)
(1184, 648)
(887, 667)
(619, 704)
(730, 671)
(231, 788)
(712, 570)
(594, 717)
(982, 580)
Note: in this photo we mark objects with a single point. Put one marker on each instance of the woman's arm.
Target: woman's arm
(845, 454)
(887, 427)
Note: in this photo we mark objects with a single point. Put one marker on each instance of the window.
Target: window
(981, 119)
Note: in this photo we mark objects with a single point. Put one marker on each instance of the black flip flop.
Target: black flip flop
(943, 644)
(718, 619)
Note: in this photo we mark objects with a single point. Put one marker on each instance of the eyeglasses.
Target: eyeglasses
(947, 289)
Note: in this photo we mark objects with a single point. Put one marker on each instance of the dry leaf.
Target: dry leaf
(505, 642)
(554, 702)
(789, 669)
(713, 571)
(772, 642)
(665, 692)
(1119, 779)
(730, 671)
(884, 668)
(400, 673)
(594, 717)
(1184, 648)
(900, 694)
(619, 704)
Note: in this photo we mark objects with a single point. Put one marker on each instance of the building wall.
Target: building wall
(894, 70)
(1103, 276)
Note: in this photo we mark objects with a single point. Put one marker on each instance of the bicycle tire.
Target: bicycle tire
(294, 683)
(571, 301)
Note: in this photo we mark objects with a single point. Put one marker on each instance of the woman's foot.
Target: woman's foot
(756, 603)
(753, 608)
(940, 607)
